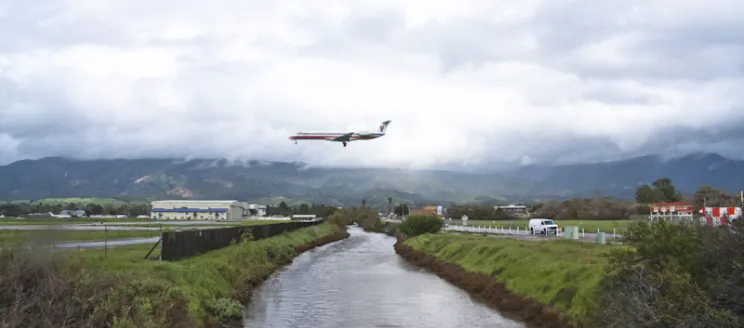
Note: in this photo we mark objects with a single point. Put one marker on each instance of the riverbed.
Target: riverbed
(360, 282)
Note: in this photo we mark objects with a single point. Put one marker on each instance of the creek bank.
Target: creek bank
(243, 288)
(548, 284)
(486, 289)
(118, 288)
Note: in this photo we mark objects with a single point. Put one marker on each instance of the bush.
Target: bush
(342, 217)
(419, 225)
(675, 275)
(40, 288)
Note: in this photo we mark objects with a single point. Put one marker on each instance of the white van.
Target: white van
(543, 226)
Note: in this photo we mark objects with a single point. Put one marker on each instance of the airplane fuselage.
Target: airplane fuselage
(341, 137)
(330, 136)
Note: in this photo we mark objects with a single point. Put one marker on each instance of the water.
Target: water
(92, 227)
(360, 282)
(110, 243)
(72, 227)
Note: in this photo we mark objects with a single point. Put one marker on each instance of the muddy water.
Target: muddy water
(360, 282)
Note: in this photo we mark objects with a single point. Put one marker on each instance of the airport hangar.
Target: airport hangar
(219, 210)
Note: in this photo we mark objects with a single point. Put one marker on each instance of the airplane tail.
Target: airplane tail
(383, 126)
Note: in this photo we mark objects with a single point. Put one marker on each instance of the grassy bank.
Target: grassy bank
(123, 290)
(561, 275)
(591, 226)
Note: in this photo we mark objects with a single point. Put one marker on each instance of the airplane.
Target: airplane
(341, 137)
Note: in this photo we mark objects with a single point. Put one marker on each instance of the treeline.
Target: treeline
(675, 275)
(479, 212)
(14, 210)
(283, 209)
(662, 190)
(599, 208)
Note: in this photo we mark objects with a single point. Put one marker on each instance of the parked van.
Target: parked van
(543, 226)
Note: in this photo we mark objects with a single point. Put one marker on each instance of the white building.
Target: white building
(257, 210)
(231, 210)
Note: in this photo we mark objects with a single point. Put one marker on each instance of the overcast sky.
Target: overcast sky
(464, 82)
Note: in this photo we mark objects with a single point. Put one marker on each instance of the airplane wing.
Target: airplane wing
(345, 137)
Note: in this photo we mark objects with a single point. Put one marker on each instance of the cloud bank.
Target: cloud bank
(465, 83)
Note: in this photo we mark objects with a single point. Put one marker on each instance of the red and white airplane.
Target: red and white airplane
(341, 137)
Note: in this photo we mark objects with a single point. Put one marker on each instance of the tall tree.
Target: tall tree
(304, 209)
(283, 209)
(645, 195)
(667, 189)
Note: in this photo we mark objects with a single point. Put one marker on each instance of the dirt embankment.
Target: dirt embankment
(486, 289)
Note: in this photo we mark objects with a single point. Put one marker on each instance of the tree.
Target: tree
(283, 209)
(304, 209)
(645, 195)
(663, 191)
(707, 195)
(667, 189)
(11, 210)
(402, 210)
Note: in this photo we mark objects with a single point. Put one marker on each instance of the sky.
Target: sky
(465, 83)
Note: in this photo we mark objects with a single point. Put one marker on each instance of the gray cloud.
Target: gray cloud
(464, 83)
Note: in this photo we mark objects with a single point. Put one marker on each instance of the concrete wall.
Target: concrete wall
(199, 210)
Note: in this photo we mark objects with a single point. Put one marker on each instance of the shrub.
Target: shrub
(675, 275)
(341, 217)
(419, 225)
(40, 288)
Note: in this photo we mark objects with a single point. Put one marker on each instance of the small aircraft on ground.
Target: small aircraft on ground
(341, 137)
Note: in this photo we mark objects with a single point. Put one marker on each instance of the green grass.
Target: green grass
(16, 236)
(588, 225)
(210, 278)
(562, 273)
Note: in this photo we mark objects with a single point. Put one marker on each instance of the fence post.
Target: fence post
(105, 242)
(614, 233)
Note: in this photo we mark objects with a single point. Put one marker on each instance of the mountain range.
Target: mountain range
(295, 182)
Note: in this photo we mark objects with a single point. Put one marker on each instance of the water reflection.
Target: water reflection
(361, 282)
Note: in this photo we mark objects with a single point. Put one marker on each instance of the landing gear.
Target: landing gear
(344, 144)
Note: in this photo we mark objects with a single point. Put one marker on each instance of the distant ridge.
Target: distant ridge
(268, 182)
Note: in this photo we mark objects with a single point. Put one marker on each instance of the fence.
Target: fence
(493, 230)
(180, 244)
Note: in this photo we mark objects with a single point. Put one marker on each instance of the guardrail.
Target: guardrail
(495, 230)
